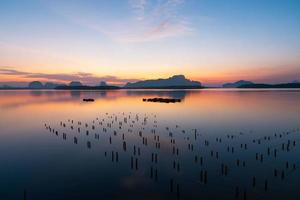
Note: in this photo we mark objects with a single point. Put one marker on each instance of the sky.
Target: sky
(119, 41)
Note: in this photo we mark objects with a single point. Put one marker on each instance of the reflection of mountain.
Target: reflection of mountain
(36, 93)
(237, 84)
(39, 85)
(35, 85)
(75, 94)
(176, 82)
(59, 96)
(75, 84)
(177, 94)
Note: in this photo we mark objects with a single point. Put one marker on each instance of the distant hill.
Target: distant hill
(282, 85)
(83, 87)
(237, 84)
(35, 85)
(50, 85)
(103, 83)
(75, 84)
(174, 82)
(39, 85)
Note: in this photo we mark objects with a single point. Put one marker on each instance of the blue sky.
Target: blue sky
(212, 41)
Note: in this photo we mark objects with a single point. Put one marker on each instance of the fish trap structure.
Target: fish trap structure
(162, 100)
(88, 100)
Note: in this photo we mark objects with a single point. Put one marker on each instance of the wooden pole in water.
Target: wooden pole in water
(201, 160)
(205, 177)
(124, 146)
(136, 164)
(25, 195)
(282, 174)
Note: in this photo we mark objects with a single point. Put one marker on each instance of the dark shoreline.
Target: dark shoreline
(270, 86)
(103, 88)
(87, 88)
(250, 86)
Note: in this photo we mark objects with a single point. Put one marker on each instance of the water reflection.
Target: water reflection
(176, 94)
(38, 96)
(215, 144)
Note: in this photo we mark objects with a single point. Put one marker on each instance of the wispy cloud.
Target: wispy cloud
(155, 20)
(138, 7)
(86, 78)
(150, 20)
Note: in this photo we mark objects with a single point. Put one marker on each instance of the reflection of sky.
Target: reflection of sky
(42, 97)
(48, 166)
(212, 41)
(206, 105)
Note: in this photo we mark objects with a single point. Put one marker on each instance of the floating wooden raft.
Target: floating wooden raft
(162, 100)
(88, 100)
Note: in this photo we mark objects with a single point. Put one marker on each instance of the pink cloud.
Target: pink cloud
(86, 78)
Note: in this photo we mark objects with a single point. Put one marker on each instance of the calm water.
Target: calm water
(215, 144)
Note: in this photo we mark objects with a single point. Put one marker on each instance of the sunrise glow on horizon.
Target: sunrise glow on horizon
(124, 41)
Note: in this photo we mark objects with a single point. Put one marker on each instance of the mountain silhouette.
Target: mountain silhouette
(177, 81)
(35, 85)
(75, 84)
(237, 84)
(103, 83)
(50, 85)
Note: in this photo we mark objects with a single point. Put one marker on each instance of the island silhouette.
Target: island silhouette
(237, 84)
(176, 81)
(173, 82)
